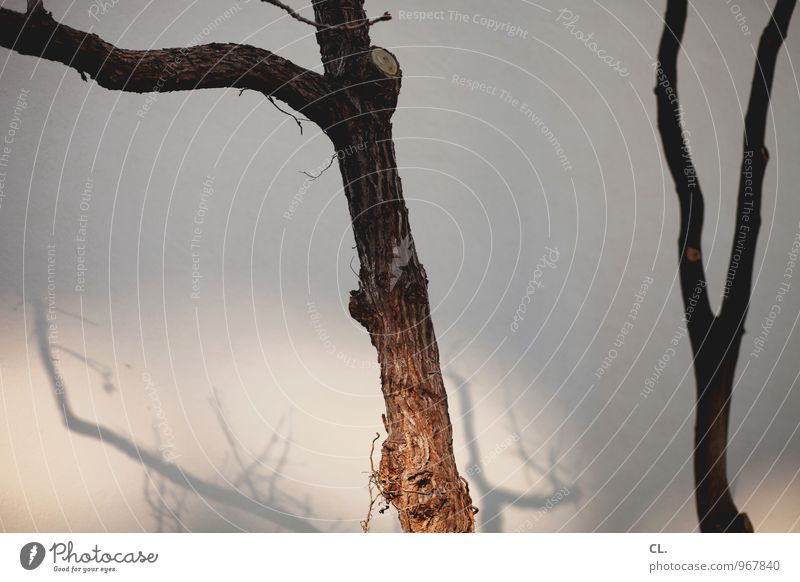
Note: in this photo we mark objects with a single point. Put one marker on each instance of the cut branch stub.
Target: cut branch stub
(377, 80)
(385, 61)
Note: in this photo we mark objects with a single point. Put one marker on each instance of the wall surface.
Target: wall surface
(171, 275)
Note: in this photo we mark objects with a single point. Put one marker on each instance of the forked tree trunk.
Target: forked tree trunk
(716, 339)
(417, 471)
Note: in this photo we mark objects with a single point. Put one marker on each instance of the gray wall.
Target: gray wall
(545, 443)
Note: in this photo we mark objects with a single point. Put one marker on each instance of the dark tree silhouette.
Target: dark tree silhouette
(352, 102)
(716, 339)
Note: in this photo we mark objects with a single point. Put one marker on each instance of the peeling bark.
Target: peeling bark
(417, 471)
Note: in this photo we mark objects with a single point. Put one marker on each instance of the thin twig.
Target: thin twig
(373, 484)
(291, 12)
(319, 26)
(289, 113)
(322, 171)
(383, 17)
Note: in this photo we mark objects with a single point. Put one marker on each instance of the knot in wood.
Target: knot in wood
(361, 309)
(415, 293)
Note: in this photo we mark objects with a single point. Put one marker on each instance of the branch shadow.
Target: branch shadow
(165, 480)
(495, 499)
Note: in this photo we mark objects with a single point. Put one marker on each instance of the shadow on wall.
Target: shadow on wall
(168, 487)
(493, 499)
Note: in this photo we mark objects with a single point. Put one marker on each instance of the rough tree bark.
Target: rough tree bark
(716, 339)
(417, 470)
(353, 103)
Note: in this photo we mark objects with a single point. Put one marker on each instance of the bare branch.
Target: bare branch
(679, 159)
(144, 71)
(383, 17)
(293, 116)
(320, 26)
(291, 12)
(738, 284)
(313, 177)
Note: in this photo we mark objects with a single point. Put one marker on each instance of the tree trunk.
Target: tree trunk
(352, 103)
(417, 472)
(716, 339)
(715, 368)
